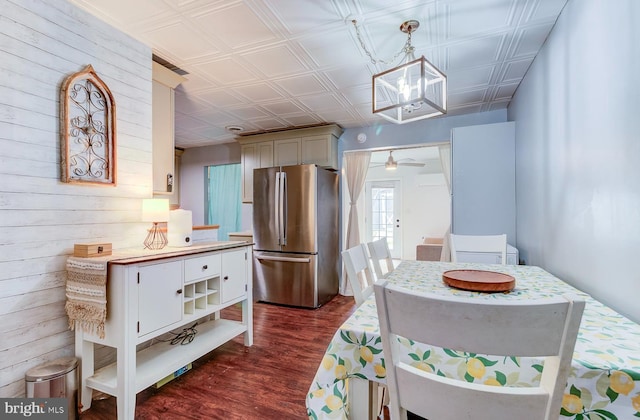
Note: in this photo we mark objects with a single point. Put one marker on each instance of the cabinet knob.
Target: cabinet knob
(179, 291)
(226, 278)
(204, 267)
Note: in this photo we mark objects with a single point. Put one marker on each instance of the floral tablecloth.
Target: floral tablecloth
(604, 382)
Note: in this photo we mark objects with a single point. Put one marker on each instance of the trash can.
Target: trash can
(55, 379)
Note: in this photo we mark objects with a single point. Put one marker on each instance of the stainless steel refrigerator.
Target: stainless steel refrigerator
(295, 231)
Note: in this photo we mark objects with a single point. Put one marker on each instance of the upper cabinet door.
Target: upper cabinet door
(312, 145)
(163, 138)
(286, 152)
(253, 156)
(320, 150)
(163, 128)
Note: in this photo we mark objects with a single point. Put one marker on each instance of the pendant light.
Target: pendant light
(411, 91)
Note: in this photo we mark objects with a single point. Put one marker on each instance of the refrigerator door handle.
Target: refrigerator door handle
(277, 206)
(285, 259)
(283, 207)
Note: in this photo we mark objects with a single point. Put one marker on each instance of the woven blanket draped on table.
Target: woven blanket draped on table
(87, 294)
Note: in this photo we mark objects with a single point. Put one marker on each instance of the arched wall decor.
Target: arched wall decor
(88, 128)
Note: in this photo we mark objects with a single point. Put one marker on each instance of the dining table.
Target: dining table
(604, 381)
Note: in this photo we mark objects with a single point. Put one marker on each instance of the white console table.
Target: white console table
(153, 292)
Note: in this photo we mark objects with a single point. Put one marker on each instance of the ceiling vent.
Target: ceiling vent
(169, 65)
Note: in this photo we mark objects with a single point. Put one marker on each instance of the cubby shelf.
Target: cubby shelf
(201, 295)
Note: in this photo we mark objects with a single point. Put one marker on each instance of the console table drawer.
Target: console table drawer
(201, 267)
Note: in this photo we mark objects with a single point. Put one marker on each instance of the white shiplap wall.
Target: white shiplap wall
(41, 43)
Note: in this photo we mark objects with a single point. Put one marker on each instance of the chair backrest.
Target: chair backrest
(545, 328)
(356, 263)
(477, 244)
(379, 251)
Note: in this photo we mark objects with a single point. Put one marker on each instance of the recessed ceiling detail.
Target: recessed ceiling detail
(244, 55)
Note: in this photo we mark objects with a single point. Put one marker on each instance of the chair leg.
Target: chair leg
(384, 404)
(385, 414)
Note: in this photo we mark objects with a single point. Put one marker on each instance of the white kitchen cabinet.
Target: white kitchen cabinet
(163, 128)
(174, 198)
(157, 310)
(286, 152)
(234, 275)
(313, 145)
(253, 156)
(321, 150)
(150, 294)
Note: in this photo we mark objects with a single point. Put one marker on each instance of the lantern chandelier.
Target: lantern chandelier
(411, 91)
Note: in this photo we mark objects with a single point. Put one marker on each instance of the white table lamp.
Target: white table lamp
(155, 210)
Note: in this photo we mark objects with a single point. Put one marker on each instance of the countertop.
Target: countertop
(245, 233)
(205, 227)
(135, 255)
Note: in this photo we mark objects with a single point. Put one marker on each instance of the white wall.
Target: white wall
(41, 43)
(433, 130)
(427, 213)
(578, 152)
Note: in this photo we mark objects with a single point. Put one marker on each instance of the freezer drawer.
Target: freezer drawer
(286, 279)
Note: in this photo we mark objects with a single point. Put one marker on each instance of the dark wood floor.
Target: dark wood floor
(266, 381)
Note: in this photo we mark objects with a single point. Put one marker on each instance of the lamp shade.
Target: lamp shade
(155, 210)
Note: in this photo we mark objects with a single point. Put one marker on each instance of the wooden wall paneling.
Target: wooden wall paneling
(40, 217)
(36, 298)
(15, 373)
(21, 285)
(26, 336)
(29, 267)
(28, 245)
(22, 354)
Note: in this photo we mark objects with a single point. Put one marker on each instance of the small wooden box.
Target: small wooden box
(91, 250)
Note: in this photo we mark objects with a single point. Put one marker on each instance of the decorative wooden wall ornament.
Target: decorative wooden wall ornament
(88, 128)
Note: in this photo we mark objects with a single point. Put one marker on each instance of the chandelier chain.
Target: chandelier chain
(406, 49)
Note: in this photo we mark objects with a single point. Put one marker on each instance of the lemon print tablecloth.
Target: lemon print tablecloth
(604, 382)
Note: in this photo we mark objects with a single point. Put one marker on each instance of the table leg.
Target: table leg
(126, 388)
(247, 318)
(363, 399)
(84, 353)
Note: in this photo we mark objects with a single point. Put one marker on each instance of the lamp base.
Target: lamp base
(156, 239)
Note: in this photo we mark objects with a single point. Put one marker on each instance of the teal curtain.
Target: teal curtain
(224, 199)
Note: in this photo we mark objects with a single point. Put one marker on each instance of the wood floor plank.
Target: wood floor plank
(268, 380)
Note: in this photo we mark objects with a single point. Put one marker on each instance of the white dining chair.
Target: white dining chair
(545, 328)
(359, 275)
(462, 245)
(379, 251)
(361, 279)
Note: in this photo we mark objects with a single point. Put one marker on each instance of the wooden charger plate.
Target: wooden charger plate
(479, 280)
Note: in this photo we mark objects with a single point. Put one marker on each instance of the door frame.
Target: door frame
(396, 184)
(360, 205)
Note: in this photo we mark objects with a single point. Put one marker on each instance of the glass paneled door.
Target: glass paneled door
(383, 214)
